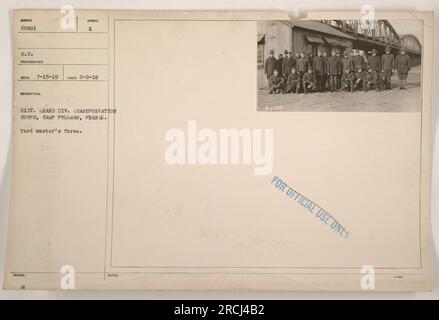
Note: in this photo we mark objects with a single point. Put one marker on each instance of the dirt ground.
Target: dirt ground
(394, 100)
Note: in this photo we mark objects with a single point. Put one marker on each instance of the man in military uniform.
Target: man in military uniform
(302, 64)
(276, 83)
(280, 62)
(340, 70)
(358, 60)
(288, 64)
(293, 82)
(380, 81)
(374, 61)
(359, 80)
(371, 80)
(387, 63)
(296, 58)
(347, 80)
(319, 67)
(347, 62)
(325, 79)
(402, 66)
(310, 60)
(333, 69)
(308, 81)
(293, 60)
(270, 65)
(352, 55)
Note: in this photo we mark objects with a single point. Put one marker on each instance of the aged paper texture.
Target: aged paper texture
(157, 151)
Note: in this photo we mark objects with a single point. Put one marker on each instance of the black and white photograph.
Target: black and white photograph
(339, 65)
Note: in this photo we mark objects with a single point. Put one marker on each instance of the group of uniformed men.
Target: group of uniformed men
(305, 73)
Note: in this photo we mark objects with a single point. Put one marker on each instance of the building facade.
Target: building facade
(297, 36)
(311, 36)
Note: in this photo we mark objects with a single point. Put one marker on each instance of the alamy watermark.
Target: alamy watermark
(367, 281)
(225, 147)
(67, 281)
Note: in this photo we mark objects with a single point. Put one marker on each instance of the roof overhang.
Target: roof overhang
(317, 26)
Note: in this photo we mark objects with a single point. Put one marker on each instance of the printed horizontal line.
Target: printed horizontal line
(242, 273)
(171, 20)
(236, 267)
(63, 80)
(62, 64)
(73, 32)
(63, 48)
(54, 272)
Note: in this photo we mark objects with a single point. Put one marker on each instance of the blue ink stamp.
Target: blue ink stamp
(311, 207)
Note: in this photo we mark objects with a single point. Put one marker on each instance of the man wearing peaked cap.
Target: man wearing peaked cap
(347, 62)
(325, 79)
(359, 80)
(388, 64)
(295, 59)
(374, 61)
(293, 82)
(270, 64)
(302, 64)
(280, 62)
(288, 64)
(402, 66)
(309, 81)
(340, 66)
(370, 80)
(310, 60)
(276, 83)
(359, 61)
(348, 80)
(333, 68)
(319, 66)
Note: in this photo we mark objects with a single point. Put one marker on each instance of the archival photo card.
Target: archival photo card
(143, 158)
